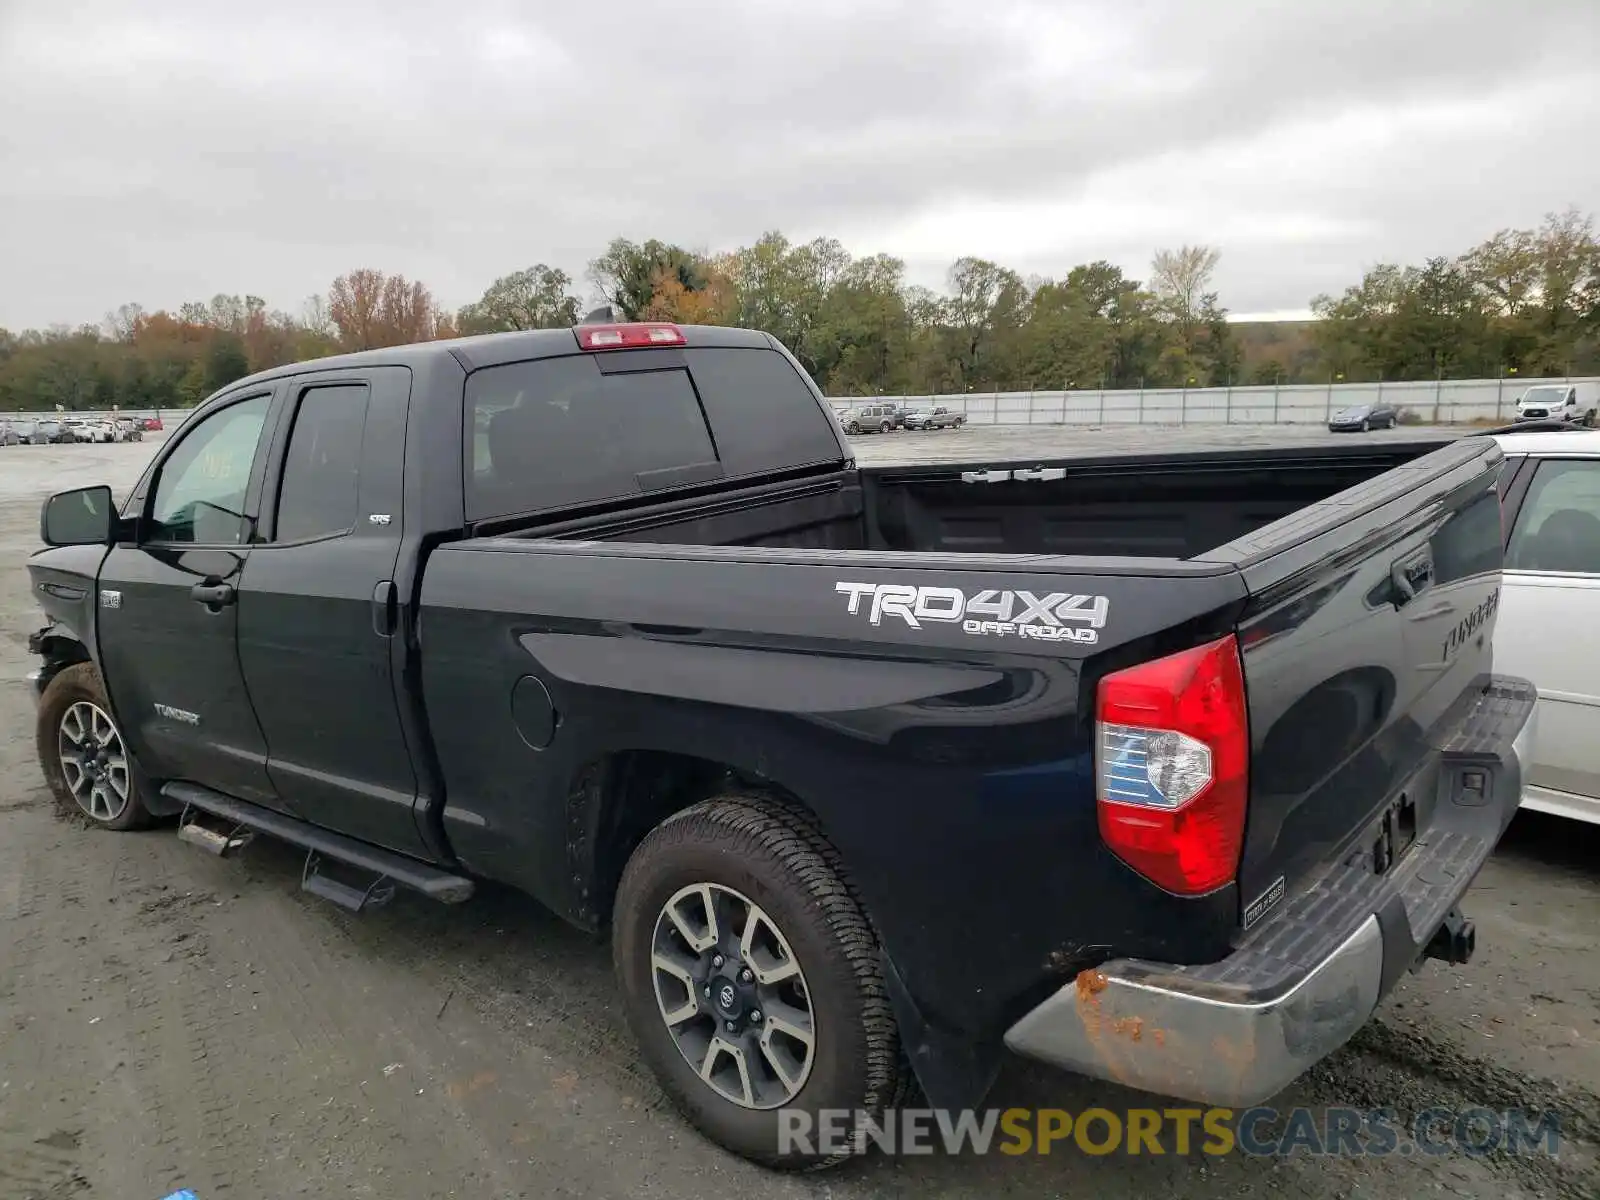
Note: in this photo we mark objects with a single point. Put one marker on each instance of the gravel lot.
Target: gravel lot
(170, 1019)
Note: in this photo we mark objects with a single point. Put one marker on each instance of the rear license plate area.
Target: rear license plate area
(1396, 833)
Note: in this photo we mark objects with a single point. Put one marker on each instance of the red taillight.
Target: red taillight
(628, 337)
(1172, 756)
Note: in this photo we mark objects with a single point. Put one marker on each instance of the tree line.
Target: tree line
(1525, 302)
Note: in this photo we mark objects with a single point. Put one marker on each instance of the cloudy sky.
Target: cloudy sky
(165, 152)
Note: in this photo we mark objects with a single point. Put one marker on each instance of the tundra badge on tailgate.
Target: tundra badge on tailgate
(1056, 617)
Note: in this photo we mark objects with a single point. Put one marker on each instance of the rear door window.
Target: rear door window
(1558, 526)
(321, 472)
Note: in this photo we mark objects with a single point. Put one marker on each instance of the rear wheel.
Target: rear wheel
(886, 427)
(86, 763)
(853, 427)
(750, 976)
(1366, 425)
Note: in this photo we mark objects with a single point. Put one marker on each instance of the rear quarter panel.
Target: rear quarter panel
(954, 771)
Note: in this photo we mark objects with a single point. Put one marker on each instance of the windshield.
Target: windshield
(1545, 395)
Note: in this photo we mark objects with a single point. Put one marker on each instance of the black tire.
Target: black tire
(71, 686)
(1366, 425)
(886, 427)
(775, 856)
(853, 428)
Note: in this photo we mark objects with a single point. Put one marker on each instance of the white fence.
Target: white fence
(1445, 402)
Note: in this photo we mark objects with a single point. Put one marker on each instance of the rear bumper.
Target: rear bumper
(1238, 1031)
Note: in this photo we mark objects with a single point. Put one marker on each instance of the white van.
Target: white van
(1574, 402)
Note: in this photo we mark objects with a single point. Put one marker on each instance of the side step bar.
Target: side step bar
(387, 867)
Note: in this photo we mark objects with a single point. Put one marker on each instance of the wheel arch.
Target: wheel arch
(618, 799)
(58, 646)
(615, 800)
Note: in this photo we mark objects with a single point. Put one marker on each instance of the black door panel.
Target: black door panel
(318, 666)
(167, 632)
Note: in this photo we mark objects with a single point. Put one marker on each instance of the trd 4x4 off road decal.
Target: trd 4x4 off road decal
(1055, 617)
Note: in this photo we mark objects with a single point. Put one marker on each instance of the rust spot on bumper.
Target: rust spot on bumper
(1128, 1027)
(1090, 984)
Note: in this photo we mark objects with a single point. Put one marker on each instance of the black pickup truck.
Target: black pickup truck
(1160, 768)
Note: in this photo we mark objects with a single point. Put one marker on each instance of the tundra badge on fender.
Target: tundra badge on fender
(1054, 617)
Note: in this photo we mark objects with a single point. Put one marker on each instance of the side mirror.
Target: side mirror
(81, 517)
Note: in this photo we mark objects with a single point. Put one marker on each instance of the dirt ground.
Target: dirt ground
(168, 1019)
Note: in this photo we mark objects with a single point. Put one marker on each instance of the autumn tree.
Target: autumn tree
(1525, 299)
(369, 309)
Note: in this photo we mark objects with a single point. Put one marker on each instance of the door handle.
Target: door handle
(213, 595)
(384, 605)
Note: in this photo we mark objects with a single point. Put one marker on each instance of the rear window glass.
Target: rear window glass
(556, 432)
(764, 415)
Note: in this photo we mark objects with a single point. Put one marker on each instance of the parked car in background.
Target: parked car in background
(151, 424)
(48, 431)
(1377, 415)
(870, 418)
(129, 430)
(935, 418)
(1549, 599)
(1575, 402)
(10, 435)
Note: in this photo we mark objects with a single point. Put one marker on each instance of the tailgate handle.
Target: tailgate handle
(1041, 473)
(1411, 576)
(985, 476)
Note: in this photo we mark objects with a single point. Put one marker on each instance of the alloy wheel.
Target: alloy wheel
(732, 995)
(94, 761)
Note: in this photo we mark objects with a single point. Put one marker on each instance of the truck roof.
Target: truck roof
(494, 349)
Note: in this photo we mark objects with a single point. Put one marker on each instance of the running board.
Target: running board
(385, 866)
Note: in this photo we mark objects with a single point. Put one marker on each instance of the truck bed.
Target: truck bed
(1172, 506)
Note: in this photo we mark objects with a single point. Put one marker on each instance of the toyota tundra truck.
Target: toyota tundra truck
(1160, 768)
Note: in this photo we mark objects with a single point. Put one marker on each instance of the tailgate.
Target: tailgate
(1370, 617)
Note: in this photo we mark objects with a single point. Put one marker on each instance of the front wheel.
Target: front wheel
(86, 763)
(750, 978)
(853, 428)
